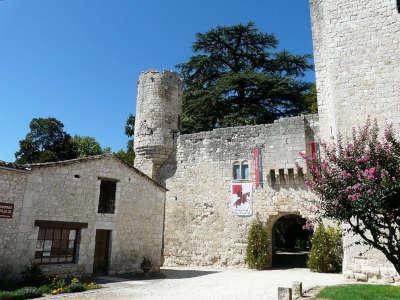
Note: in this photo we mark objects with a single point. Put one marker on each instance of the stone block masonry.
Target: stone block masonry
(158, 111)
(357, 63)
(200, 228)
(68, 193)
(356, 51)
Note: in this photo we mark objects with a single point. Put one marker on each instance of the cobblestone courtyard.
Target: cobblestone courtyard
(202, 283)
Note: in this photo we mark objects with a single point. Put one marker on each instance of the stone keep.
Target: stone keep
(158, 110)
(357, 63)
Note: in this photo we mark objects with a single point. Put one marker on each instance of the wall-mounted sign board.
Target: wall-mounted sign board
(6, 210)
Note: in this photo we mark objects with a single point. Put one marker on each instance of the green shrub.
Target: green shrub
(33, 276)
(58, 283)
(20, 294)
(326, 250)
(257, 256)
(75, 287)
(7, 281)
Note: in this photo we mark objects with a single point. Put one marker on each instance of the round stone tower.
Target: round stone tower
(158, 111)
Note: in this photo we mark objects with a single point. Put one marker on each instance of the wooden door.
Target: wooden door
(101, 252)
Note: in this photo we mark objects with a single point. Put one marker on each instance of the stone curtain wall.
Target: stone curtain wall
(357, 62)
(200, 228)
(53, 193)
(12, 190)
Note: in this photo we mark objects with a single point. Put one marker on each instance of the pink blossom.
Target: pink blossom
(308, 226)
(303, 155)
(324, 165)
(356, 187)
(345, 175)
(388, 134)
(370, 173)
(365, 158)
(354, 197)
(387, 147)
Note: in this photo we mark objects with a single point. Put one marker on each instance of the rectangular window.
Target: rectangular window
(282, 180)
(56, 245)
(273, 177)
(236, 172)
(398, 6)
(245, 171)
(107, 196)
(291, 176)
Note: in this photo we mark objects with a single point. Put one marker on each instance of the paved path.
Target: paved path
(208, 284)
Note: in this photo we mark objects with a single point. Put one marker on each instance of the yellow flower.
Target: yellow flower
(57, 291)
(74, 280)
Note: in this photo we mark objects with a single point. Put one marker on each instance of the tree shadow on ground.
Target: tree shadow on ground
(163, 274)
(182, 274)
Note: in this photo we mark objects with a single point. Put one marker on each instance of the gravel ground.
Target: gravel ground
(209, 284)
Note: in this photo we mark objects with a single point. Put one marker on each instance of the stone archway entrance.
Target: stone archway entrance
(290, 242)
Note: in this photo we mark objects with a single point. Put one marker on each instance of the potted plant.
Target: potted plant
(146, 265)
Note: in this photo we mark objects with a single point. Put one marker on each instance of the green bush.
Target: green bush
(7, 281)
(33, 276)
(257, 256)
(75, 288)
(20, 294)
(326, 251)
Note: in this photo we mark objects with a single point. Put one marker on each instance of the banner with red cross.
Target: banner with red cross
(241, 203)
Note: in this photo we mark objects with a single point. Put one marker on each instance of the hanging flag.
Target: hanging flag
(315, 154)
(241, 202)
(314, 151)
(256, 159)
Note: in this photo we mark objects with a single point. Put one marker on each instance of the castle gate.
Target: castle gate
(290, 241)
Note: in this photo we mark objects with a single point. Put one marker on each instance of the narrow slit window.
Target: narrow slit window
(273, 177)
(398, 6)
(291, 176)
(179, 123)
(282, 180)
(300, 175)
(107, 196)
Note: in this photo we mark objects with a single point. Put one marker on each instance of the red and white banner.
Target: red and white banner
(257, 167)
(241, 203)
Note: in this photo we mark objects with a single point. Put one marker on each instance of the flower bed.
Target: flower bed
(34, 284)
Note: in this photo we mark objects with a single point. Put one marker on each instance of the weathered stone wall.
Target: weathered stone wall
(54, 193)
(357, 62)
(12, 190)
(200, 228)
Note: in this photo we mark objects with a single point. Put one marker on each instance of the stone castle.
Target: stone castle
(357, 51)
(192, 197)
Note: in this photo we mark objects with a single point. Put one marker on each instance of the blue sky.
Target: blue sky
(79, 60)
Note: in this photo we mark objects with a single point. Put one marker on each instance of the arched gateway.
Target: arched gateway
(290, 241)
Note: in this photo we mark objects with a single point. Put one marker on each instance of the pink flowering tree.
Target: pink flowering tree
(359, 184)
